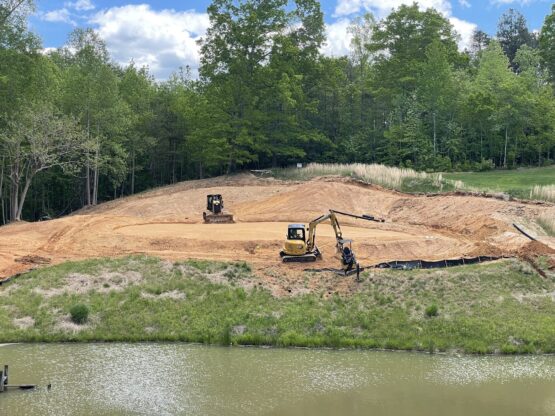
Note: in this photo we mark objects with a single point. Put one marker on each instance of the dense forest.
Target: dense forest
(77, 129)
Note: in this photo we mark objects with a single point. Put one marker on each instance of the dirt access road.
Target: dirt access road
(167, 222)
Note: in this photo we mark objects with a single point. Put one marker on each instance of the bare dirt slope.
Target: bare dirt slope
(167, 222)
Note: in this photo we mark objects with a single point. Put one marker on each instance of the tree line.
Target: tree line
(77, 129)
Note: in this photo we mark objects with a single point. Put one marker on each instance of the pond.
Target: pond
(185, 379)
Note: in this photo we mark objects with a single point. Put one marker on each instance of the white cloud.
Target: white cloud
(504, 2)
(80, 5)
(382, 8)
(58, 16)
(46, 51)
(465, 3)
(164, 40)
(465, 30)
(338, 40)
(346, 7)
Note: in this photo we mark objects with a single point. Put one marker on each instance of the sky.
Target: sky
(162, 34)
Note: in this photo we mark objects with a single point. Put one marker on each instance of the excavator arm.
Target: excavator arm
(307, 249)
(332, 216)
(311, 240)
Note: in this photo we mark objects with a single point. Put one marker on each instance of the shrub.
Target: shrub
(431, 310)
(79, 313)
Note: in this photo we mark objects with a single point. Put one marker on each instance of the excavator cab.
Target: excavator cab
(295, 247)
(296, 232)
(214, 203)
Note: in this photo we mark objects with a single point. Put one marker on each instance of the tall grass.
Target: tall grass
(386, 176)
(546, 192)
(409, 180)
(547, 222)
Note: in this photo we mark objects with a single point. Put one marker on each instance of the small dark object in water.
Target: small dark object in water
(26, 386)
(49, 386)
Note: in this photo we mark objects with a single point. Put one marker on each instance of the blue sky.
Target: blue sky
(162, 34)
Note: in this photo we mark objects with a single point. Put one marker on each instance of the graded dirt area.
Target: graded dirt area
(167, 222)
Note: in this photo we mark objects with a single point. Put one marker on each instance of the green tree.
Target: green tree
(512, 33)
(480, 41)
(39, 139)
(255, 57)
(547, 43)
(400, 42)
(137, 90)
(500, 86)
(90, 92)
(436, 86)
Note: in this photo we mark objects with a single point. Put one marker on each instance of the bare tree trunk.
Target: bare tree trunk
(229, 164)
(28, 181)
(88, 168)
(14, 199)
(133, 173)
(481, 142)
(95, 185)
(506, 143)
(173, 149)
(9, 12)
(435, 134)
(95, 177)
(88, 183)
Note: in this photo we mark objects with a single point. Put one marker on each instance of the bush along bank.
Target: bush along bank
(502, 307)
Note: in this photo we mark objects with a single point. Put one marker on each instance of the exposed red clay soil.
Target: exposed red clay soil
(167, 222)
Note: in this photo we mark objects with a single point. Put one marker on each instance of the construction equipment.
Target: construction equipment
(215, 213)
(301, 247)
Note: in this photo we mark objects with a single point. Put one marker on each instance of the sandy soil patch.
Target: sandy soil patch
(167, 222)
(24, 323)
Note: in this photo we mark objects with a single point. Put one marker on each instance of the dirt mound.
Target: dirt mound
(167, 222)
(536, 248)
(32, 260)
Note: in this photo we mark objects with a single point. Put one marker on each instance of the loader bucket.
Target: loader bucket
(223, 218)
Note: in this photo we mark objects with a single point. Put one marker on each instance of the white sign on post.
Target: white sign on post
(299, 165)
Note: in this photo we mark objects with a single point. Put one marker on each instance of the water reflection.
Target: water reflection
(180, 379)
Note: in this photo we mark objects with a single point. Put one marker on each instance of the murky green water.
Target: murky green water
(180, 379)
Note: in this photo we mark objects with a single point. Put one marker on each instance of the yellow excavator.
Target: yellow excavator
(300, 247)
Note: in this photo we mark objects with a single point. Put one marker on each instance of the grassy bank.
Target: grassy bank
(533, 183)
(499, 307)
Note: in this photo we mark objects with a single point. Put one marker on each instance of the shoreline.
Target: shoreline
(275, 347)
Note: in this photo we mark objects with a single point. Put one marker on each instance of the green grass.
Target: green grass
(518, 182)
(502, 307)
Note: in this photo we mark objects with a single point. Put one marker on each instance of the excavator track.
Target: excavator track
(306, 258)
